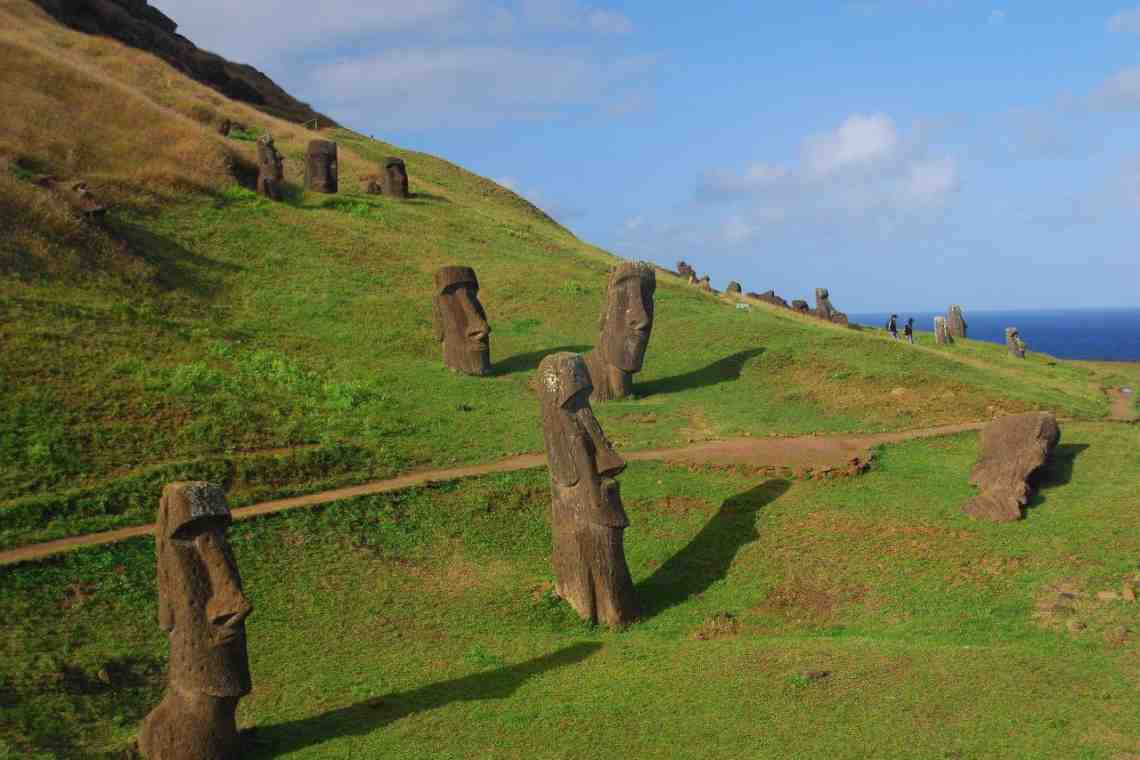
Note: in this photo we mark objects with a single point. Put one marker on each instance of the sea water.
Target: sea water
(1103, 334)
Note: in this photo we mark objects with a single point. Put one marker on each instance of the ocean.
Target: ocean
(1102, 334)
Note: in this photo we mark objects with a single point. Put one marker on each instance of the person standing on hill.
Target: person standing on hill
(908, 331)
(893, 326)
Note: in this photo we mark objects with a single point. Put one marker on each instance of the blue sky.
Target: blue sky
(905, 154)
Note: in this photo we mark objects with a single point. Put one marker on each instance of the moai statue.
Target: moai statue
(627, 320)
(320, 166)
(460, 322)
(956, 323)
(693, 278)
(587, 518)
(1014, 343)
(705, 284)
(270, 171)
(686, 271)
(801, 306)
(394, 180)
(203, 610)
(734, 287)
(941, 332)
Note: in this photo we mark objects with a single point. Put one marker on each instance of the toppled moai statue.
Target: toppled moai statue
(587, 517)
(941, 332)
(270, 169)
(203, 610)
(956, 322)
(1013, 449)
(321, 166)
(801, 306)
(824, 309)
(460, 322)
(1014, 343)
(769, 296)
(686, 271)
(626, 323)
(705, 284)
(734, 287)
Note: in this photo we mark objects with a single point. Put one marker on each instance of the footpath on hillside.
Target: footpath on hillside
(818, 453)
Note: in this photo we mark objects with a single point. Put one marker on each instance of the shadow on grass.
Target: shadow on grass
(372, 714)
(528, 362)
(721, 371)
(707, 558)
(1058, 471)
(176, 268)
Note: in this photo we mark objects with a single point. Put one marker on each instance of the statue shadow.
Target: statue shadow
(176, 268)
(529, 362)
(721, 371)
(708, 556)
(372, 714)
(1058, 471)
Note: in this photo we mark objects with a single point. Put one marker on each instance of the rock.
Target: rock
(734, 287)
(769, 296)
(941, 332)
(1013, 449)
(1013, 343)
(956, 322)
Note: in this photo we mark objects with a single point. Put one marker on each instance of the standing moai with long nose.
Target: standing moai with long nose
(941, 332)
(587, 518)
(270, 169)
(956, 322)
(1013, 343)
(460, 322)
(394, 180)
(321, 166)
(203, 610)
(626, 323)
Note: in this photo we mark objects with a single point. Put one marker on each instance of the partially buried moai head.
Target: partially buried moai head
(321, 166)
(395, 181)
(200, 600)
(627, 316)
(460, 322)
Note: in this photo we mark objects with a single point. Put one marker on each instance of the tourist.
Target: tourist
(893, 326)
(908, 331)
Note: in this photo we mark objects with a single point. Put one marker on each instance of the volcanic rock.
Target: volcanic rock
(1014, 448)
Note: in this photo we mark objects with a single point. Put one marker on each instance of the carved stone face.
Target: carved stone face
(201, 604)
(627, 316)
(395, 178)
(582, 461)
(460, 322)
(321, 166)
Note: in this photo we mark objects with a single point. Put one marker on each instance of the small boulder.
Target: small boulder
(1013, 449)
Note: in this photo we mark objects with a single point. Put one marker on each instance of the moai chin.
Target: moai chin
(941, 332)
(270, 169)
(1014, 343)
(320, 166)
(627, 321)
(394, 180)
(587, 517)
(203, 610)
(460, 322)
(956, 322)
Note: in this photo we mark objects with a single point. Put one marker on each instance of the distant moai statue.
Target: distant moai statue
(626, 324)
(460, 322)
(824, 309)
(734, 287)
(800, 305)
(941, 332)
(1014, 343)
(394, 180)
(956, 322)
(203, 610)
(270, 169)
(587, 517)
(693, 278)
(686, 271)
(321, 166)
(705, 284)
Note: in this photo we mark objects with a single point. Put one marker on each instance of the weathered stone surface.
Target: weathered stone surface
(587, 517)
(394, 179)
(321, 166)
(686, 271)
(801, 306)
(734, 287)
(202, 608)
(941, 332)
(270, 169)
(956, 322)
(824, 309)
(460, 322)
(769, 296)
(1013, 343)
(626, 324)
(705, 284)
(1013, 449)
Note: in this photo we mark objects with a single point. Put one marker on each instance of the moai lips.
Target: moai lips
(626, 324)
(460, 322)
(321, 166)
(587, 517)
(202, 608)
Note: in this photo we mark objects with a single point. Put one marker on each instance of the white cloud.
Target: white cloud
(997, 17)
(1121, 92)
(860, 140)
(1127, 22)
(929, 183)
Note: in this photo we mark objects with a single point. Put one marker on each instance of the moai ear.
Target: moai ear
(437, 316)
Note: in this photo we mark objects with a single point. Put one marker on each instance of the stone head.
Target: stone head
(627, 315)
(460, 322)
(321, 166)
(200, 601)
(582, 461)
(395, 178)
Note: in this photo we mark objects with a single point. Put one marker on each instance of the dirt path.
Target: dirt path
(804, 451)
(1122, 405)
